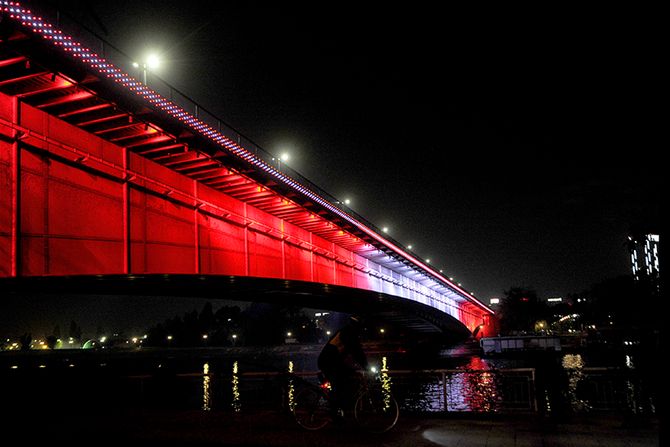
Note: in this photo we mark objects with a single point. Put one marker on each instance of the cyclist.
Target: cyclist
(340, 361)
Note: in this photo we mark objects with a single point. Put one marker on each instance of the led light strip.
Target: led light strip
(39, 26)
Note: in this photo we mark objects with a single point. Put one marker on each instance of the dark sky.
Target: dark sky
(511, 147)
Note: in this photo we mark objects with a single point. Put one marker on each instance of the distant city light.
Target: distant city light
(555, 300)
(347, 201)
(284, 157)
(495, 301)
(409, 246)
(385, 229)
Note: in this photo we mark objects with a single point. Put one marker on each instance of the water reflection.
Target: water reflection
(573, 364)
(291, 387)
(630, 388)
(206, 391)
(236, 404)
(475, 389)
(386, 384)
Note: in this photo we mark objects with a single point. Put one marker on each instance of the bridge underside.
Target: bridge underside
(416, 317)
(101, 175)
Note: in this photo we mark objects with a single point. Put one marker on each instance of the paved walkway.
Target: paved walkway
(271, 429)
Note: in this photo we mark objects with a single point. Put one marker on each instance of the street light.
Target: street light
(284, 156)
(152, 62)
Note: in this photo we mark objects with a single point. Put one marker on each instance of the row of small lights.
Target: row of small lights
(84, 54)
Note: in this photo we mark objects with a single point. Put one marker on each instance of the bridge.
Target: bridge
(112, 185)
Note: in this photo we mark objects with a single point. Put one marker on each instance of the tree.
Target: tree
(75, 331)
(520, 309)
(51, 341)
(25, 341)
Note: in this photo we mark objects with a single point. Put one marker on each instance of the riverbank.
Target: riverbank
(201, 428)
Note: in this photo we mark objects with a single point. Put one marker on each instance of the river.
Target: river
(459, 379)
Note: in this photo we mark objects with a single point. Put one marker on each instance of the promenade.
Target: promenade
(166, 428)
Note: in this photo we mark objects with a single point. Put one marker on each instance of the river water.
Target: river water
(236, 380)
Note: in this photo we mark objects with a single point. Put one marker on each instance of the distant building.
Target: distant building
(644, 258)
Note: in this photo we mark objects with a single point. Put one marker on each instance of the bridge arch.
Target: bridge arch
(108, 177)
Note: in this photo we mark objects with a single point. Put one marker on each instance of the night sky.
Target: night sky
(511, 147)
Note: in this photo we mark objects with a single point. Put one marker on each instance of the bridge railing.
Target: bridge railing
(80, 32)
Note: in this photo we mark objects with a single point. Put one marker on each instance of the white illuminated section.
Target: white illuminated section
(495, 301)
(554, 300)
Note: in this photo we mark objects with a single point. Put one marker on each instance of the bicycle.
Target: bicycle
(375, 409)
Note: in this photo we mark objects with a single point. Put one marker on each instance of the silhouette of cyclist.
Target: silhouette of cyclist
(340, 361)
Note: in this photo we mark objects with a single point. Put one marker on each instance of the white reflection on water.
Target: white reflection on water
(206, 391)
(236, 404)
(631, 400)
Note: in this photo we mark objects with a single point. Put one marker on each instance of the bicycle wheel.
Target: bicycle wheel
(376, 411)
(311, 409)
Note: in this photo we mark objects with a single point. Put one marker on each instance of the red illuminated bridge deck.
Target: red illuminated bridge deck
(101, 175)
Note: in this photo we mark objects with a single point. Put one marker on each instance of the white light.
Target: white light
(284, 157)
(373, 369)
(288, 334)
(495, 301)
(409, 247)
(428, 261)
(234, 336)
(347, 201)
(136, 65)
(153, 62)
(385, 229)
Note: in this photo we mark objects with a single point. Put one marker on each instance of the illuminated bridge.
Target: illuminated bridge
(109, 185)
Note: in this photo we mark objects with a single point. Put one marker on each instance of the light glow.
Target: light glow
(153, 62)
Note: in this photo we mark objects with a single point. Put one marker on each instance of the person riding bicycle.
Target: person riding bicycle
(341, 360)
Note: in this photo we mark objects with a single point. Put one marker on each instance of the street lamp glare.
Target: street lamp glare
(284, 157)
(153, 61)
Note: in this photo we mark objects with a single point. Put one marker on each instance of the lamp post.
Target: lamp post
(282, 157)
(152, 62)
